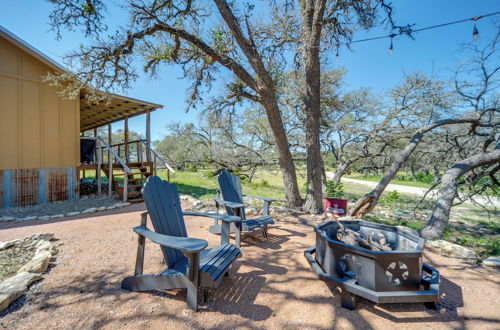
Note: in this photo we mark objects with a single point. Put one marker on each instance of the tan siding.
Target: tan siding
(50, 124)
(68, 130)
(31, 67)
(8, 57)
(30, 123)
(9, 142)
(37, 128)
(77, 138)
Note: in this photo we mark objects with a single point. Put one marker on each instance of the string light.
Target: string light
(475, 33)
(391, 46)
(409, 31)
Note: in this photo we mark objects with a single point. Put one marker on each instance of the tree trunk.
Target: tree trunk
(435, 172)
(312, 17)
(285, 159)
(413, 172)
(341, 170)
(449, 185)
(366, 203)
(323, 173)
(264, 86)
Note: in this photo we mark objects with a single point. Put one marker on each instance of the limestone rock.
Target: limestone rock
(70, 214)
(27, 218)
(90, 210)
(277, 210)
(408, 229)
(14, 287)
(492, 261)
(117, 205)
(41, 236)
(452, 250)
(7, 219)
(8, 244)
(39, 263)
(251, 210)
(197, 205)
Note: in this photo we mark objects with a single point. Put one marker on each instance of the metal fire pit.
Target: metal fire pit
(397, 276)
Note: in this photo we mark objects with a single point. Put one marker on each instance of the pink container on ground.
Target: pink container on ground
(337, 206)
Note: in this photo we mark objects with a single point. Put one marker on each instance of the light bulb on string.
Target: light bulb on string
(337, 57)
(475, 33)
(391, 48)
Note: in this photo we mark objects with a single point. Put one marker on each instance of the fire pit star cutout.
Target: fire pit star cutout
(397, 272)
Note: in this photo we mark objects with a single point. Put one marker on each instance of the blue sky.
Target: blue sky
(368, 64)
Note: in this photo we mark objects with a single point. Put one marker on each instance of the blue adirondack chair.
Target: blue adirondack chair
(232, 201)
(189, 263)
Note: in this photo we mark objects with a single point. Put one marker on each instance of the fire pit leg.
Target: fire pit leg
(348, 300)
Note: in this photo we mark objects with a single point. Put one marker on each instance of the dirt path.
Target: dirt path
(271, 287)
(417, 191)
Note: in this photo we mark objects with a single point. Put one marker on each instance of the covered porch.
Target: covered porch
(124, 162)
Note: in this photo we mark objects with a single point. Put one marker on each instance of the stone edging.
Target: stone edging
(68, 214)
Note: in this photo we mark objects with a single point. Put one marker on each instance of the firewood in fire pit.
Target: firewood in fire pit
(351, 237)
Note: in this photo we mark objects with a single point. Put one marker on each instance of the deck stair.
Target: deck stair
(126, 165)
(140, 171)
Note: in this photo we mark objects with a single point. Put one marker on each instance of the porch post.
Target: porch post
(126, 139)
(99, 162)
(110, 162)
(148, 136)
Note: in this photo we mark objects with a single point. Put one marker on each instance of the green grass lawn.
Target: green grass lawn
(265, 183)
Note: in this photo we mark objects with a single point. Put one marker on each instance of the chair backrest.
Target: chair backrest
(164, 208)
(230, 187)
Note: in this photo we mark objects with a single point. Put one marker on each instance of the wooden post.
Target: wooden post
(110, 162)
(96, 149)
(139, 152)
(154, 164)
(127, 158)
(125, 185)
(148, 136)
(99, 162)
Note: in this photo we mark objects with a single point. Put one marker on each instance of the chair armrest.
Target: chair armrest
(229, 204)
(185, 244)
(266, 199)
(224, 218)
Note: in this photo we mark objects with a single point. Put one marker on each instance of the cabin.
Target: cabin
(43, 137)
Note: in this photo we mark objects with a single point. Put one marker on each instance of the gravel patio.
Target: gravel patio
(271, 286)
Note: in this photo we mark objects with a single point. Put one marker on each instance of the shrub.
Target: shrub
(334, 190)
(191, 168)
(208, 174)
(390, 198)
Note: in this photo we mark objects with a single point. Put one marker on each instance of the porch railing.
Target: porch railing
(121, 152)
(99, 156)
(157, 157)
